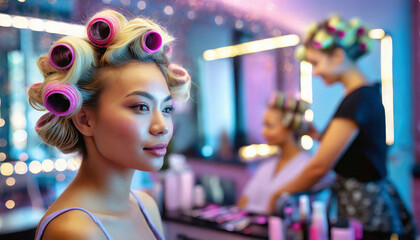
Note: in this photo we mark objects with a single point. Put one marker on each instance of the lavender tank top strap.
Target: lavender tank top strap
(147, 217)
(53, 215)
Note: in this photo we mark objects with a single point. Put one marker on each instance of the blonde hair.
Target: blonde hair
(88, 73)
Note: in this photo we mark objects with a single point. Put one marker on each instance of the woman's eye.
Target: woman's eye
(141, 107)
(168, 109)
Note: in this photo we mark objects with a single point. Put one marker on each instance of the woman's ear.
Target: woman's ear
(338, 56)
(84, 121)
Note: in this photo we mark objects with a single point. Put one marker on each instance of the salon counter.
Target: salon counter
(181, 227)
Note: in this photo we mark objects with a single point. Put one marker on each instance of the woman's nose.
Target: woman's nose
(158, 124)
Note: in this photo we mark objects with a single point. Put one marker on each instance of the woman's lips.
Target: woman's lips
(158, 150)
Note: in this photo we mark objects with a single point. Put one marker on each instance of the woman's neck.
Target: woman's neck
(352, 79)
(103, 183)
(289, 149)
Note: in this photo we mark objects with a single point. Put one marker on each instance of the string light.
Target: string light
(257, 151)
(23, 157)
(3, 156)
(10, 181)
(6, 169)
(309, 115)
(191, 15)
(60, 177)
(141, 5)
(168, 10)
(35, 167)
(306, 142)
(47, 165)
(218, 20)
(60, 165)
(239, 24)
(10, 204)
(21, 168)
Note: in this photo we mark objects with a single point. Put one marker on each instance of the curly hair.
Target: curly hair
(75, 70)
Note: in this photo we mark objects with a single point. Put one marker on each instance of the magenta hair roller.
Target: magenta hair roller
(60, 99)
(101, 30)
(62, 56)
(44, 119)
(151, 41)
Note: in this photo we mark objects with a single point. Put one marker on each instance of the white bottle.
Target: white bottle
(275, 228)
(319, 223)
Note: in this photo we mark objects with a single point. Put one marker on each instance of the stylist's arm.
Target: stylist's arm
(336, 139)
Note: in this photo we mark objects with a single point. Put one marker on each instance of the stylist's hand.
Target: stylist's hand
(273, 202)
(242, 202)
(312, 132)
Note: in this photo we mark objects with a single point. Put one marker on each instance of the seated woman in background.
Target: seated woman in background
(283, 125)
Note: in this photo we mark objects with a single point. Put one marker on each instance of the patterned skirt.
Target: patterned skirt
(376, 204)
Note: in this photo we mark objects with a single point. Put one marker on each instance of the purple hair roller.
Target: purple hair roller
(60, 99)
(62, 56)
(101, 30)
(151, 41)
(44, 119)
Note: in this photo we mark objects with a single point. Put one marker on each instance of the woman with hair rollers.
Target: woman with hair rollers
(354, 141)
(284, 124)
(109, 98)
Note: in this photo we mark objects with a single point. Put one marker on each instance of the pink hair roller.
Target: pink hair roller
(62, 56)
(181, 76)
(151, 41)
(361, 31)
(101, 30)
(60, 99)
(44, 119)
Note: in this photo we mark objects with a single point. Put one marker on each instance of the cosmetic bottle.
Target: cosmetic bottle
(342, 231)
(276, 228)
(304, 215)
(319, 224)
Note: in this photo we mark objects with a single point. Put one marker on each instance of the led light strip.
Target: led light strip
(251, 47)
(42, 25)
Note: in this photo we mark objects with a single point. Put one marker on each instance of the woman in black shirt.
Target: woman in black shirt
(354, 141)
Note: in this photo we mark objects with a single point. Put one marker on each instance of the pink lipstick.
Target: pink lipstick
(158, 150)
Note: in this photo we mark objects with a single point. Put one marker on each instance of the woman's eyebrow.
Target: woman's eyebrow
(148, 95)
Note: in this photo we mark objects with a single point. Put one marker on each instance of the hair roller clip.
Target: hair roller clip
(62, 56)
(300, 53)
(335, 24)
(60, 99)
(44, 119)
(151, 41)
(297, 121)
(302, 106)
(281, 101)
(179, 74)
(365, 43)
(355, 23)
(291, 104)
(102, 28)
(322, 40)
(311, 29)
(287, 119)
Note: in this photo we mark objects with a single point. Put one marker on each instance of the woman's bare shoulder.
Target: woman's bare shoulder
(151, 208)
(73, 224)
